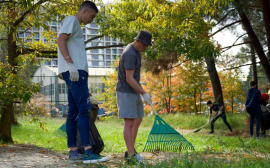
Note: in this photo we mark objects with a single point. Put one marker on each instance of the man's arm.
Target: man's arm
(62, 44)
(132, 82)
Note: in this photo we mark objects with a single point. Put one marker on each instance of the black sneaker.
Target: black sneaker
(212, 132)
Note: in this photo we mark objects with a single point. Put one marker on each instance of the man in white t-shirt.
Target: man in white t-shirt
(73, 68)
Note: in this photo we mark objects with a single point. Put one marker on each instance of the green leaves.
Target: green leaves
(12, 88)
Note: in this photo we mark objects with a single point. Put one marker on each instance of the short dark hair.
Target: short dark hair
(252, 83)
(209, 102)
(89, 5)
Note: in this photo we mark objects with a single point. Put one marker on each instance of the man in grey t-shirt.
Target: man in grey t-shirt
(128, 91)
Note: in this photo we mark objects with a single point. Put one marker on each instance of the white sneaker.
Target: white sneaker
(139, 156)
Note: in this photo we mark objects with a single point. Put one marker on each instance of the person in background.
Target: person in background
(220, 112)
(254, 95)
(264, 108)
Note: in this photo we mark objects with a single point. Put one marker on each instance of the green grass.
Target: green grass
(190, 121)
(205, 145)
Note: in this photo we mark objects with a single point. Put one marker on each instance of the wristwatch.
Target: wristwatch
(67, 57)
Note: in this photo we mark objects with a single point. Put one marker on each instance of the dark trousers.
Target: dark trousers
(257, 120)
(223, 116)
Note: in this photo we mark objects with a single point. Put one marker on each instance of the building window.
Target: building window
(94, 44)
(27, 34)
(108, 43)
(55, 62)
(94, 63)
(62, 88)
(53, 28)
(95, 57)
(114, 51)
(108, 63)
(21, 35)
(92, 31)
(36, 35)
(47, 62)
(95, 51)
(108, 57)
(108, 51)
(53, 22)
(107, 38)
(114, 57)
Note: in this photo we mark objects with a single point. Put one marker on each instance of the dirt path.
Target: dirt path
(31, 156)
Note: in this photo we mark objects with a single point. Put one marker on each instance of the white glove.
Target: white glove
(209, 120)
(219, 112)
(74, 74)
(147, 98)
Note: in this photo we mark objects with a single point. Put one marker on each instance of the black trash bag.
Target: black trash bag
(97, 142)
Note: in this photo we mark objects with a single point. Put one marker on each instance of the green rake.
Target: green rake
(61, 131)
(164, 138)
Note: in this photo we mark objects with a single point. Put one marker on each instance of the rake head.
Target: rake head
(164, 138)
(61, 131)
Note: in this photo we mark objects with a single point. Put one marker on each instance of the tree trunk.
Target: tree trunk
(254, 40)
(5, 124)
(6, 118)
(266, 19)
(211, 68)
(254, 66)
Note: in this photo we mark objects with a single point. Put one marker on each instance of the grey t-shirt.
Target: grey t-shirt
(130, 59)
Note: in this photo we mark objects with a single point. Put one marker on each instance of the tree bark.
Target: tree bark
(5, 124)
(254, 66)
(266, 19)
(211, 68)
(6, 118)
(254, 40)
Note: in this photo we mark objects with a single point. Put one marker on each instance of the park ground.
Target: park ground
(35, 147)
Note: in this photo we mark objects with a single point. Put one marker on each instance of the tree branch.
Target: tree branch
(225, 27)
(6, 1)
(3, 39)
(223, 17)
(228, 47)
(245, 65)
(101, 47)
(93, 38)
(18, 21)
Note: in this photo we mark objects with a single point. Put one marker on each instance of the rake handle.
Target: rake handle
(153, 108)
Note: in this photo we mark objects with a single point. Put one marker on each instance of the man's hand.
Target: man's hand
(74, 74)
(219, 112)
(209, 120)
(147, 98)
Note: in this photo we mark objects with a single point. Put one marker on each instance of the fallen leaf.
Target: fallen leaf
(43, 151)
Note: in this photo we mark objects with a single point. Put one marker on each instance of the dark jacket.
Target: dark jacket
(256, 103)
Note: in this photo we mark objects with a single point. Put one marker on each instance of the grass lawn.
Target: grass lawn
(249, 151)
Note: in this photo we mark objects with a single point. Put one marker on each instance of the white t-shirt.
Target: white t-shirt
(75, 43)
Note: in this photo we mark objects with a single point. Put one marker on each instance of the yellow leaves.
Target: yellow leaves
(31, 17)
